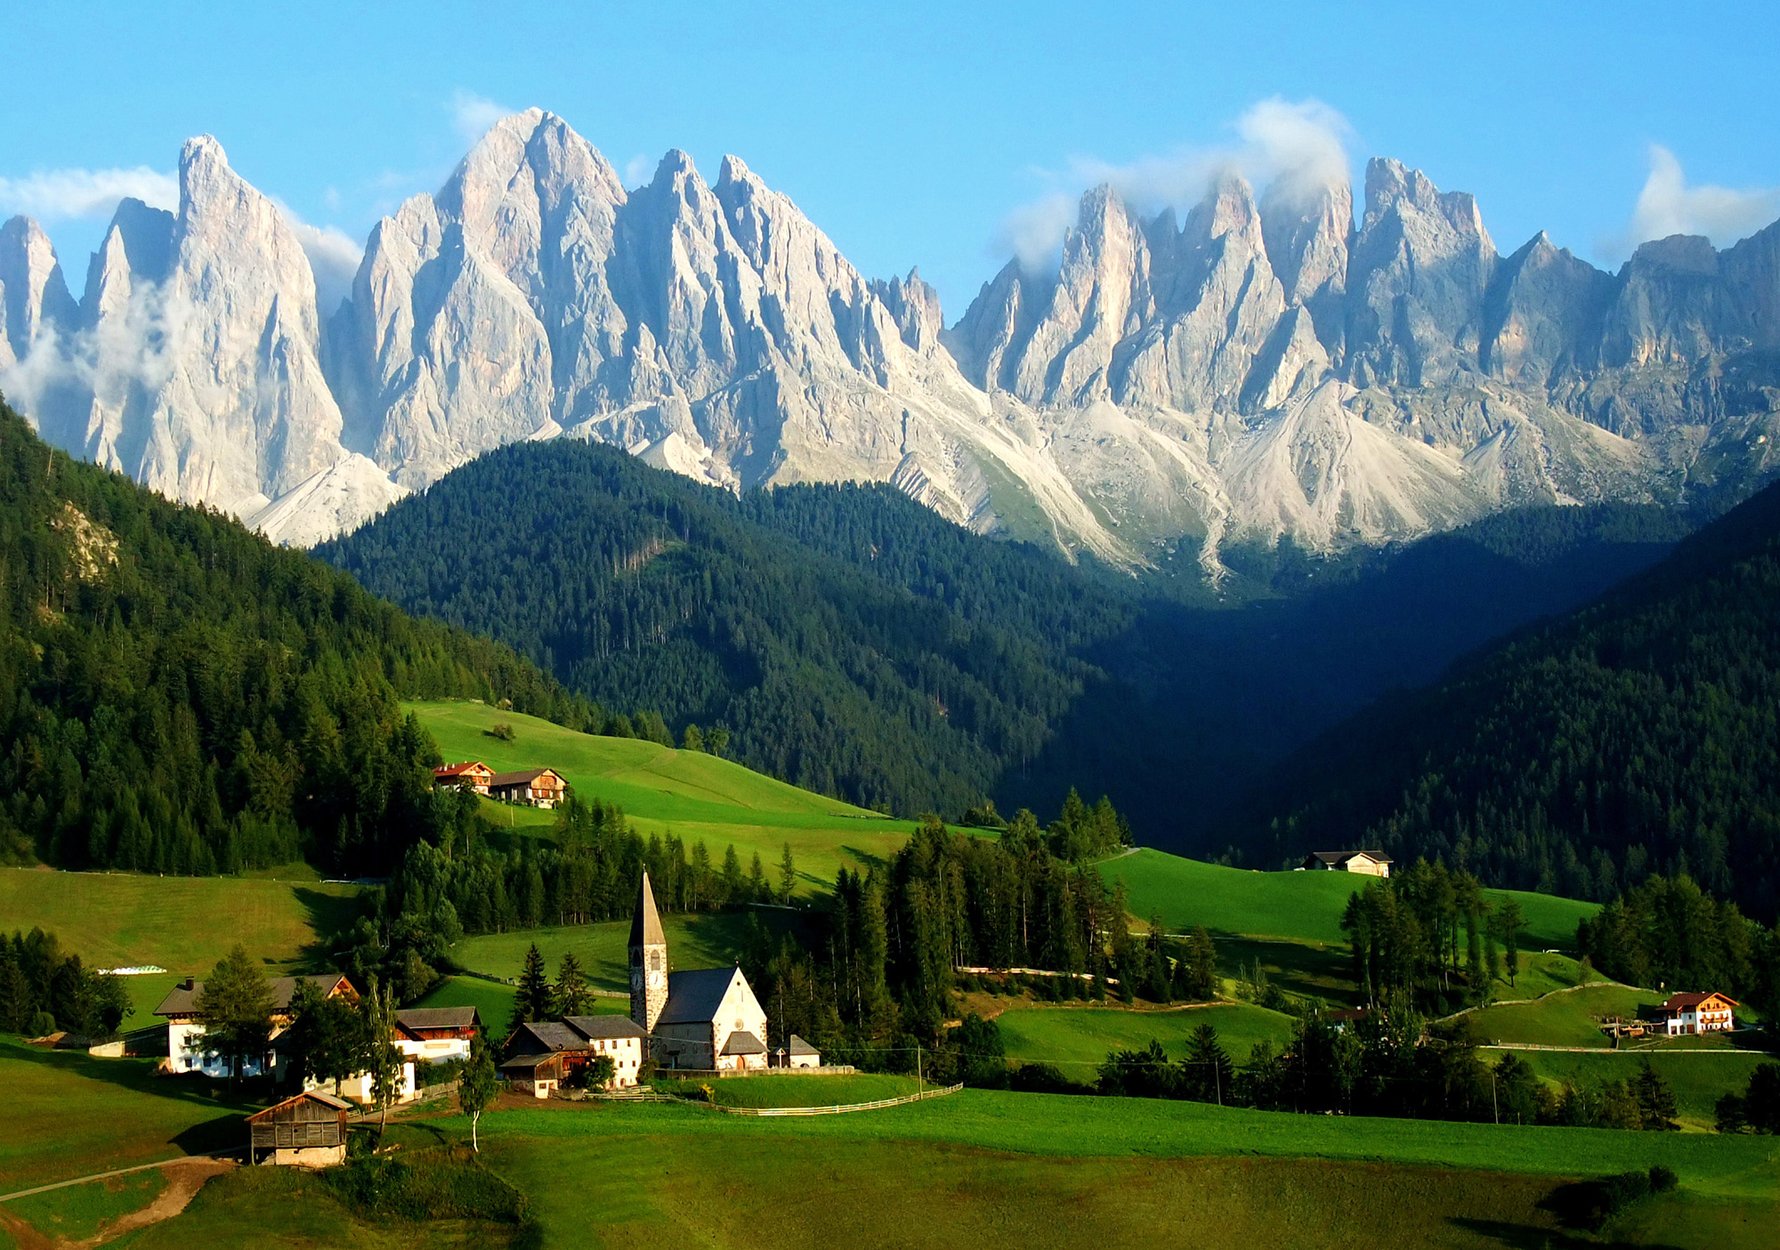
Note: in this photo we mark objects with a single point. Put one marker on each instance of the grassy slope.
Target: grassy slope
(1077, 1039)
(703, 940)
(689, 793)
(184, 924)
(68, 1115)
(1699, 1078)
(1566, 1019)
(800, 1091)
(1288, 906)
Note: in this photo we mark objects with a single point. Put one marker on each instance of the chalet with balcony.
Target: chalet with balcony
(470, 775)
(533, 787)
(1686, 1015)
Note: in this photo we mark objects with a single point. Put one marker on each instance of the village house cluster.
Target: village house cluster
(532, 787)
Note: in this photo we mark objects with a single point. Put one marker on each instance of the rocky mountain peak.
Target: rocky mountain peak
(33, 293)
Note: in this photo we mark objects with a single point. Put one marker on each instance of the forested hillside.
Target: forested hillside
(178, 696)
(854, 643)
(1639, 735)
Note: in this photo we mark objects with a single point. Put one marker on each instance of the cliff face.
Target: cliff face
(1269, 366)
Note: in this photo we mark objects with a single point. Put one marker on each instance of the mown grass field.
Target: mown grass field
(68, 1115)
(1078, 1039)
(1562, 1019)
(78, 1212)
(1289, 906)
(184, 924)
(689, 793)
(695, 940)
(796, 1091)
(493, 1003)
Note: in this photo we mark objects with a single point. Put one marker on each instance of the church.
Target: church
(705, 1019)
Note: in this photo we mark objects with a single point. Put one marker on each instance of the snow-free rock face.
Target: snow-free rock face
(1261, 366)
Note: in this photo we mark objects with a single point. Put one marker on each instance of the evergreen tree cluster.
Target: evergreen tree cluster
(44, 988)
(1639, 735)
(1427, 934)
(1670, 932)
(851, 641)
(178, 696)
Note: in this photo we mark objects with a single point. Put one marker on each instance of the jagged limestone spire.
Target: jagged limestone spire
(648, 961)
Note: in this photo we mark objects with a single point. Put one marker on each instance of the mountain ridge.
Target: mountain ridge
(1268, 367)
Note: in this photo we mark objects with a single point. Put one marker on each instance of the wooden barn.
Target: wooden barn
(307, 1130)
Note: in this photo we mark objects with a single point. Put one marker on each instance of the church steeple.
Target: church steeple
(648, 961)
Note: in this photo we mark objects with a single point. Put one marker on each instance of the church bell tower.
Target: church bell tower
(648, 961)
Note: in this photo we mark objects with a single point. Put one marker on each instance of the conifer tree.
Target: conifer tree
(534, 997)
(572, 997)
(787, 875)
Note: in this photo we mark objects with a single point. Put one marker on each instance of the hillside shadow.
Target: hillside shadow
(137, 1077)
(1295, 967)
(329, 916)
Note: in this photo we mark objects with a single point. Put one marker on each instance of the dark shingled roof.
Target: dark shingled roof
(741, 1042)
(696, 996)
(1341, 857)
(601, 1028)
(523, 777)
(182, 999)
(436, 1018)
(800, 1047)
(645, 923)
(547, 1035)
(526, 1063)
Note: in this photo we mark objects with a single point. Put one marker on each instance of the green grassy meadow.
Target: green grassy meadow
(789, 1090)
(79, 1211)
(1077, 1039)
(695, 940)
(69, 1115)
(1562, 1019)
(184, 924)
(689, 793)
(1698, 1077)
(493, 1002)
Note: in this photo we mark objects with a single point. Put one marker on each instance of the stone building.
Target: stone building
(705, 1019)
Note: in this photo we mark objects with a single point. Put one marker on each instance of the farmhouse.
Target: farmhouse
(471, 775)
(1686, 1014)
(534, 787)
(707, 1019)
(185, 1025)
(548, 1054)
(436, 1034)
(1368, 863)
(308, 1130)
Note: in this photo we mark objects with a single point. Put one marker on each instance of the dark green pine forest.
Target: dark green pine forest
(1638, 735)
(176, 695)
(853, 642)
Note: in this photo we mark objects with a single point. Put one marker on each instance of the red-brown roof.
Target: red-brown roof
(458, 770)
(1682, 1002)
(524, 776)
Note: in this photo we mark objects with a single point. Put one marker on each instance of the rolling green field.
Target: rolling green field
(1078, 1039)
(1289, 906)
(796, 1091)
(68, 1115)
(78, 1212)
(688, 793)
(184, 924)
(1563, 1019)
(695, 940)
(493, 1003)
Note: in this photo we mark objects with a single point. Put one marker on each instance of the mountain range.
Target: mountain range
(1281, 364)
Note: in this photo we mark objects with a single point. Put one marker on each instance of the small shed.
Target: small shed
(307, 1130)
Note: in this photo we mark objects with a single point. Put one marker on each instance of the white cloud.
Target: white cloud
(1292, 146)
(1667, 205)
(333, 256)
(59, 194)
(637, 171)
(473, 114)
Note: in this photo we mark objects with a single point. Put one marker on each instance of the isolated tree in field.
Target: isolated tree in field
(534, 998)
(693, 739)
(573, 998)
(1509, 923)
(236, 1005)
(383, 1062)
(757, 889)
(1656, 1100)
(1207, 1074)
(717, 741)
(476, 1084)
(787, 875)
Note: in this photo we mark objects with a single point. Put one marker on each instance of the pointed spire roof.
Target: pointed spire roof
(645, 925)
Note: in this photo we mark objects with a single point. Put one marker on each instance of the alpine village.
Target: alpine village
(544, 706)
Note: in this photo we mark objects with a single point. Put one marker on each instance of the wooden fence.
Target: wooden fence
(840, 1109)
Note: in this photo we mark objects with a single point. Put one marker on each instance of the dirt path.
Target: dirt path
(185, 1177)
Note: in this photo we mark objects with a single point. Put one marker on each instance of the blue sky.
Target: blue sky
(915, 133)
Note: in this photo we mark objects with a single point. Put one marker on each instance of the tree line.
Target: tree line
(44, 988)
